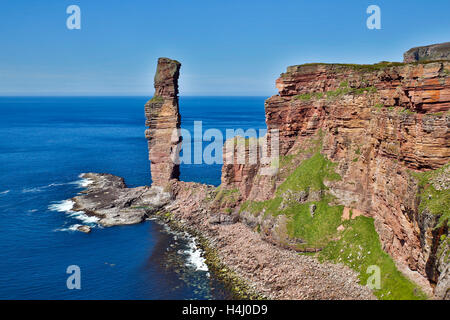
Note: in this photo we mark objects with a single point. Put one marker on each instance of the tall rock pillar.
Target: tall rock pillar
(163, 120)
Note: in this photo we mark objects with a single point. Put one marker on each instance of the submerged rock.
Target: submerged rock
(85, 229)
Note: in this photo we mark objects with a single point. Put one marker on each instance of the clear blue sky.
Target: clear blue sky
(227, 47)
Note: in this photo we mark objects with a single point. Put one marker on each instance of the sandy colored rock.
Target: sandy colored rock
(163, 120)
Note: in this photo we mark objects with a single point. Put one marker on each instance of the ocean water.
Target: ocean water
(45, 144)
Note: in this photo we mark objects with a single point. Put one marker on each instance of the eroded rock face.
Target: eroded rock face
(440, 51)
(163, 120)
(379, 123)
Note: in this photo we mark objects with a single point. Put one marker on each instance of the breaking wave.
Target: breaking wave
(71, 228)
(81, 183)
(193, 254)
(195, 257)
(66, 206)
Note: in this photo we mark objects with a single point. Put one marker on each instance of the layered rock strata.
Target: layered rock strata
(163, 120)
(379, 123)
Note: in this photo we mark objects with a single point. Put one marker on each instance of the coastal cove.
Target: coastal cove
(102, 134)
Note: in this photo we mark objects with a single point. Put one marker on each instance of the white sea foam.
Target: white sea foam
(83, 182)
(4, 192)
(73, 227)
(195, 256)
(80, 215)
(67, 206)
(33, 190)
(42, 188)
(62, 206)
(55, 184)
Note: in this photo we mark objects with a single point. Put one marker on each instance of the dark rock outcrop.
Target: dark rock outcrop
(108, 198)
(440, 51)
(84, 228)
(163, 120)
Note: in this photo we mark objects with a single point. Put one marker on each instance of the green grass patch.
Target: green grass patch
(309, 175)
(224, 196)
(317, 230)
(436, 201)
(359, 247)
(406, 111)
(333, 94)
(157, 99)
(346, 90)
(308, 96)
(363, 68)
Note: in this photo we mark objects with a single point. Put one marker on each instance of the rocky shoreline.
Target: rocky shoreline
(108, 198)
(251, 267)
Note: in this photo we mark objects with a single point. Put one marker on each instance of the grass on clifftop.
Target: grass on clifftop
(333, 94)
(357, 245)
(364, 67)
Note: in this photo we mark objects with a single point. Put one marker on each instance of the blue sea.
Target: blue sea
(45, 144)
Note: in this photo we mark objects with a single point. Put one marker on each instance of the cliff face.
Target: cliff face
(163, 120)
(362, 171)
(440, 51)
(379, 124)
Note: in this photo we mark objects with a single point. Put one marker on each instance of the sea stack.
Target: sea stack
(163, 120)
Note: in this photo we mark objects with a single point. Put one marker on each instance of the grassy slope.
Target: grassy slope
(436, 201)
(357, 246)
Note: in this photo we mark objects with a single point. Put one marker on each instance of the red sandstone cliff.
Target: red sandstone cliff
(163, 120)
(379, 123)
(376, 143)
